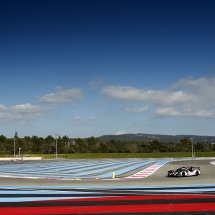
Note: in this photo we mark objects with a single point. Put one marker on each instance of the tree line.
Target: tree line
(66, 145)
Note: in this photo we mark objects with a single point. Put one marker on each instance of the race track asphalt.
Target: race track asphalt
(114, 196)
(157, 178)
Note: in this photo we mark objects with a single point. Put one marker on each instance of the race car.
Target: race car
(184, 171)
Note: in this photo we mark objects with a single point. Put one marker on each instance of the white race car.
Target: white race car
(184, 171)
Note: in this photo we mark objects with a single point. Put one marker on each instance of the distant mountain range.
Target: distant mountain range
(162, 138)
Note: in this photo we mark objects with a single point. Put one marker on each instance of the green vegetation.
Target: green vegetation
(126, 155)
(93, 147)
(120, 155)
(140, 137)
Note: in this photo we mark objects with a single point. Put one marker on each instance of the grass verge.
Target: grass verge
(120, 155)
(129, 155)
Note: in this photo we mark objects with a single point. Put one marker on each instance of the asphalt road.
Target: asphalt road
(118, 200)
(158, 178)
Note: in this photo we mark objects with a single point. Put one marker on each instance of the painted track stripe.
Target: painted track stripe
(143, 208)
(146, 172)
(92, 200)
(72, 170)
(212, 162)
(145, 197)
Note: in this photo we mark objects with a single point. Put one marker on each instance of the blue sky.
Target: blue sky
(89, 68)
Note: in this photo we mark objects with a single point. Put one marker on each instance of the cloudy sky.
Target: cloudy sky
(94, 67)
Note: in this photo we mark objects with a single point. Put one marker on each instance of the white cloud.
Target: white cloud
(192, 112)
(187, 97)
(77, 118)
(61, 96)
(2, 107)
(137, 110)
(167, 111)
(25, 108)
(95, 83)
(153, 96)
(22, 112)
(93, 118)
(120, 132)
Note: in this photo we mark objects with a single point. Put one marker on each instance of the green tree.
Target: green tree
(132, 147)
(16, 135)
(49, 144)
(112, 146)
(104, 147)
(9, 146)
(93, 144)
(186, 144)
(66, 144)
(144, 147)
(120, 146)
(210, 147)
(81, 146)
(200, 147)
(36, 145)
(157, 146)
(28, 144)
(3, 144)
(20, 144)
(172, 147)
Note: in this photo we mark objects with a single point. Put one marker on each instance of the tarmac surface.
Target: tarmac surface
(157, 178)
(155, 194)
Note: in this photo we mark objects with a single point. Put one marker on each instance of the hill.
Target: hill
(162, 138)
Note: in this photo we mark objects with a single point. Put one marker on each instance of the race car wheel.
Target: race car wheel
(197, 173)
(183, 174)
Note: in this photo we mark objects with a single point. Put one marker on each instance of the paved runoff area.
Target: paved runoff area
(106, 186)
(82, 169)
